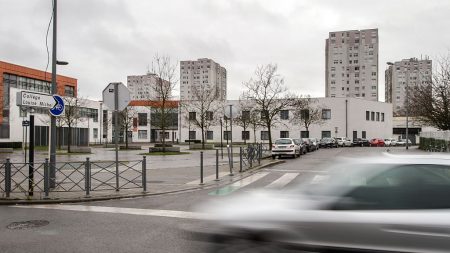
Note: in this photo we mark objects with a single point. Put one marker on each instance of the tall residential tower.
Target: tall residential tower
(202, 72)
(351, 64)
(402, 74)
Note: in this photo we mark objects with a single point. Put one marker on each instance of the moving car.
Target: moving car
(388, 204)
(377, 142)
(285, 146)
(389, 142)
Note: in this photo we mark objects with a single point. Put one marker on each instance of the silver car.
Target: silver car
(390, 204)
(285, 146)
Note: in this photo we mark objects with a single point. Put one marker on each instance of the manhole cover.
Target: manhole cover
(28, 224)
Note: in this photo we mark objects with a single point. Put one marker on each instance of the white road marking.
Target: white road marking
(209, 178)
(319, 178)
(282, 181)
(309, 171)
(120, 210)
(248, 180)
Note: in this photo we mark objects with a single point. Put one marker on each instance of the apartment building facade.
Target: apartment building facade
(144, 87)
(402, 74)
(202, 72)
(351, 64)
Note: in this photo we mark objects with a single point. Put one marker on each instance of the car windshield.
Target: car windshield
(283, 141)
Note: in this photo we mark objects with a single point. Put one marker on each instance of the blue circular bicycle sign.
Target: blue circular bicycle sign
(58, 108)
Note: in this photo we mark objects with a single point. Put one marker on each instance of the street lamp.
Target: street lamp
(221, 138)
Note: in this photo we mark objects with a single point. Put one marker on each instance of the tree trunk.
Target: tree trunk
(203, 137)
(254, 135)
(163, 125)
(126, 139)
(69, 139)
(270, 137)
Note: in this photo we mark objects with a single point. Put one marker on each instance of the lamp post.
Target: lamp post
(52, 148)
(231, 134)
(221, 138)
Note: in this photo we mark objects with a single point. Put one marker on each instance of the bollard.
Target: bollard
(229, 161)
(46, 178)
(144, 174)
(240, 159)
(201, 167)
(7, 177)
(217, 165)
(87, 177)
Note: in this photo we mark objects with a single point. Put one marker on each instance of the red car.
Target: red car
(377, 142)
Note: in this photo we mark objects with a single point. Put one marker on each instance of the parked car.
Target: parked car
(340, 141)
(303, 148)
(390, 142)
(307, 143)
(328, 143)
(361, 142)
(348, 143)
(315, 143)
(285, 146)
(377, 205)
(402, 142)
(377, 142)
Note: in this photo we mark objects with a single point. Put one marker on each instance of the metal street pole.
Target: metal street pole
(116, 131)
(221, 138)
(53, 118)
(407, 106)
(231, 134)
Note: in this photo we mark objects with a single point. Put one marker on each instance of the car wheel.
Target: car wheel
(244, 246)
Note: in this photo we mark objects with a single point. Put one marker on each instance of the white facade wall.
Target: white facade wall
(345, 126)
(16, 129)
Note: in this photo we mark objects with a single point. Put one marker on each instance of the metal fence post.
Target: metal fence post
(7, 177)
(217, 165)
(201, 167)
(230, 161)
(250, 156)
(240, 159)
(144, 173)
(46, 178)
(259, 153)
(87, 177)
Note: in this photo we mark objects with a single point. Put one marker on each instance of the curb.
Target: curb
(103, 198)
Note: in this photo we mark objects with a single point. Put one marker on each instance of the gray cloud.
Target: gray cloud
(106, 40)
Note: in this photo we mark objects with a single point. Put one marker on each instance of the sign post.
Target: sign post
(117, 96)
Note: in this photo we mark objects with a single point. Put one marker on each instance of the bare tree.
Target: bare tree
(306, 112)
(430, 102)
(248, 117)
(72, 115)
(165, 72)
(201, 112)
(270, 96)
(126, 118)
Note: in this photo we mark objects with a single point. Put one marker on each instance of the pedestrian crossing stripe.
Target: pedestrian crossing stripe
(282, 181)
(239, 184)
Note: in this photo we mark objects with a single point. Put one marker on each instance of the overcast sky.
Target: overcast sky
(106, 40)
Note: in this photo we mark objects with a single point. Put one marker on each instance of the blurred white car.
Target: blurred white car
(402, 142)
(348, 142)
(390, 204)
(390, 142)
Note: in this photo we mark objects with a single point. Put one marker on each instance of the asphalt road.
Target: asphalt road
(149, 224)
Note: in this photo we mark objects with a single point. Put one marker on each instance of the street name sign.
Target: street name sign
(34, 99)
(123, 96)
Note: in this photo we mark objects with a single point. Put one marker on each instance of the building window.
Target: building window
(264, 135)
(209, 135)
(382, 117)
(378, 116)
(367, 115)
(364, 134)
(227, 135)
(372, 116)
(284, 134)
(95, 133)
(304, 134)
(142, 134)
(142, 119)
(245, 135)
(326, 113)
(192, 115)
(209, 115)
(192, 135)
(326, 134)
(69, 91)
(284, 114)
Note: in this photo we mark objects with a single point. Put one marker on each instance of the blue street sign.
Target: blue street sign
(58, 108)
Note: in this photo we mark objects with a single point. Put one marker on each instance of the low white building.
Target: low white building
(341, 117)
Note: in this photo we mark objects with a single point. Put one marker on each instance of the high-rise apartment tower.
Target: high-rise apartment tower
(351, 64)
